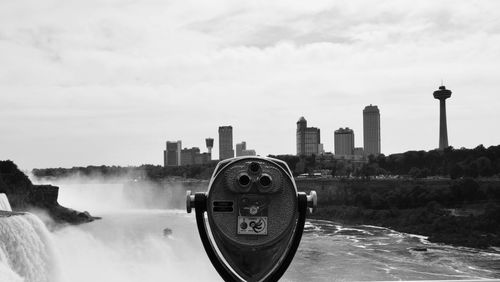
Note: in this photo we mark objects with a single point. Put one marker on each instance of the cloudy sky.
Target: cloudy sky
(108, 82)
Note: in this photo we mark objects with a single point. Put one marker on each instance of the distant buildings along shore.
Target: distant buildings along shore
(308, 140)
(175, 155)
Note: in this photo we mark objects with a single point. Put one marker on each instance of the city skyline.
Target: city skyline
(308, 139)
(91, 83)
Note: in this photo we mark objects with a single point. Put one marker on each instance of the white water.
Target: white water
(26, 250)
(4, 203)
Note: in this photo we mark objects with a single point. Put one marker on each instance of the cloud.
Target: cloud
(78, 77)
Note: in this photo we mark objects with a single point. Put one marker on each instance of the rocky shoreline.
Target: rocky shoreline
(24, 196)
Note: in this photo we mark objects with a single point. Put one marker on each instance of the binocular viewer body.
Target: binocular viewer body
(251, 218)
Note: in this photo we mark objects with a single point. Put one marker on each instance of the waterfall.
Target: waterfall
(4, 203)
(26, 251)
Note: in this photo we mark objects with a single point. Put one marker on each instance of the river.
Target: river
(129, 244)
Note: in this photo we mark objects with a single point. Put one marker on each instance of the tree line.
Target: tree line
(450, 162)
(145, 171)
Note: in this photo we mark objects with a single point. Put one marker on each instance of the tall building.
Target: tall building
(240, 147)
(371, 130)
(172, 154)
(442, 94)
(225, 142)
(308, 139)
(344, 141)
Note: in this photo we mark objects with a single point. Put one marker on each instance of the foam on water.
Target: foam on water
(381, 253)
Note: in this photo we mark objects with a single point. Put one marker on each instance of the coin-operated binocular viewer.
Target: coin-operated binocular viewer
(254, 218)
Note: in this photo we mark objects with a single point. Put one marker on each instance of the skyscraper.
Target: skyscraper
(172, 154)
(225, 142)
(442, 94)
(308, 139)
(371, 130)
(344, 142)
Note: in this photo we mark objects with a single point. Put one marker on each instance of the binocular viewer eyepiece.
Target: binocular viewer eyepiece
(251, 219)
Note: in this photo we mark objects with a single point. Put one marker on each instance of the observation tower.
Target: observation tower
(442, 94)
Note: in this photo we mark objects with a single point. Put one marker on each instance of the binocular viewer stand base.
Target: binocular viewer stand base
(199, 202)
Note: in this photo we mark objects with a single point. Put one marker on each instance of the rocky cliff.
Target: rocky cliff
(23, 195)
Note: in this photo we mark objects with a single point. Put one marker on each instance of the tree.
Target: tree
(300, 167)
(414, 172)
(484, 166)
(453, 162)
(340, 169)
(470, 170)
(456, 171)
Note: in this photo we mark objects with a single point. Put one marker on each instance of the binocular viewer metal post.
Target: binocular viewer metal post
(254, 218)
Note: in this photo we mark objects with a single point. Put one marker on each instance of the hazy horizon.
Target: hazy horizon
(109, 82)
